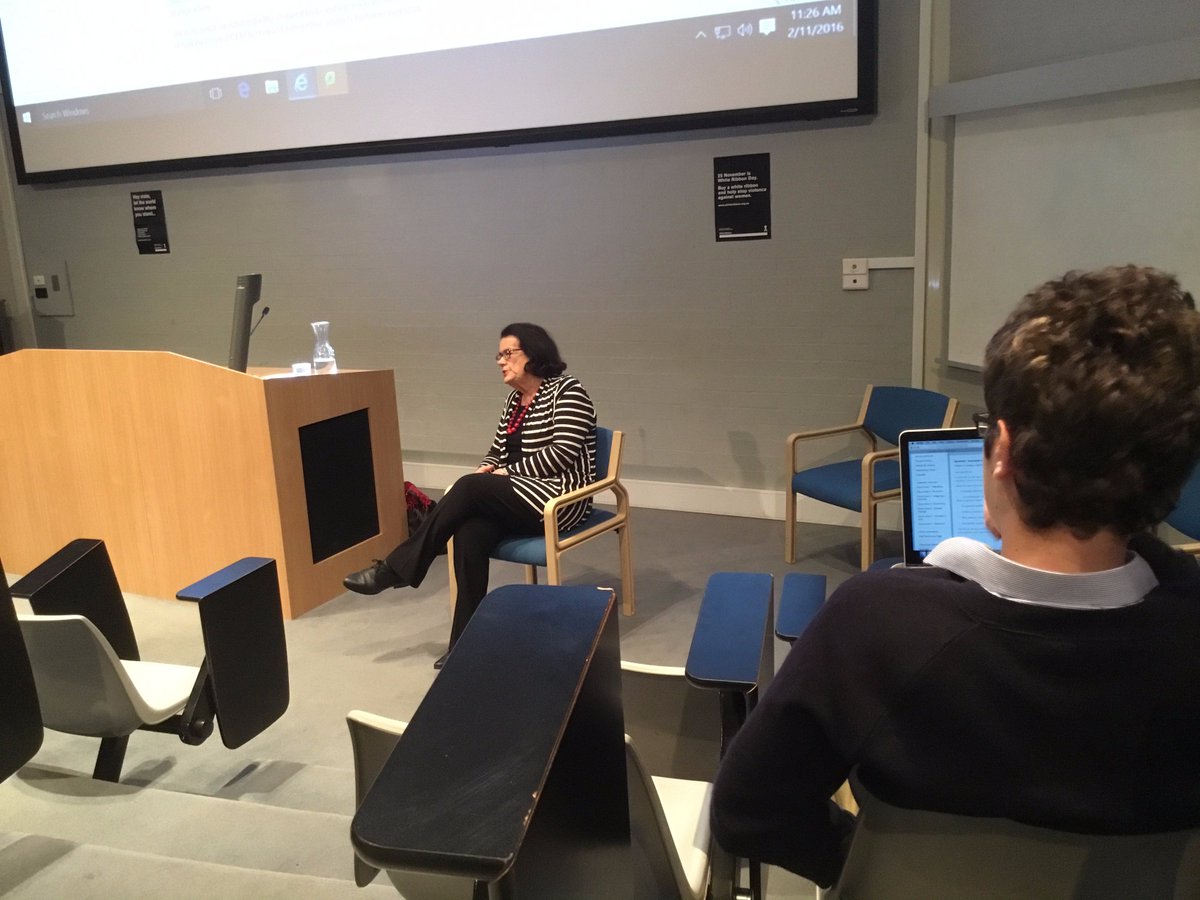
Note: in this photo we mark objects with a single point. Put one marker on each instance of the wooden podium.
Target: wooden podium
(183, 467)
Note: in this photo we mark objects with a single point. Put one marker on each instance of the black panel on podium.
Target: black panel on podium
(339, 483)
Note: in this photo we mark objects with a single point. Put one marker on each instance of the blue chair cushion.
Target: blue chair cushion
(531, 551)
(892, 409)
(1185, 517)
(840, 483)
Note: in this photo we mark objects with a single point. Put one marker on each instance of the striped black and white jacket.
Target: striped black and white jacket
(558, 447)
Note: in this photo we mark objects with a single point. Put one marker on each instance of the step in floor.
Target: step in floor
(184, 826)
(37, 867)
(211, 770)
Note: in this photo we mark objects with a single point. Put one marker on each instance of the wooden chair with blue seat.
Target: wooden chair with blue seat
(862, 484)
(547, 550)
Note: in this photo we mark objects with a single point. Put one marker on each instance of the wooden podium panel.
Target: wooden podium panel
(181, 467)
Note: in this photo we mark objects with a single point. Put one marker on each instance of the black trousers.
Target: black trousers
(477, 511)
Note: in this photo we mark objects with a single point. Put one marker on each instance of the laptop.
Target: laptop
(941, 486)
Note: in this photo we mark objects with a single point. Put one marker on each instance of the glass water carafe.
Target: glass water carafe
(323, 358)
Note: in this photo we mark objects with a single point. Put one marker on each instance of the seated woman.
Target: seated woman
(1055, 683)
(545, 445)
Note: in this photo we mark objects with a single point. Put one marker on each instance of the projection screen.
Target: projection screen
(102, 88)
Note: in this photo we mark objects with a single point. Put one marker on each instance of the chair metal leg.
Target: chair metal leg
(869, 516)
(625, 548)
(722, 874)
(789, 526)
(531, 576)
(110, 759)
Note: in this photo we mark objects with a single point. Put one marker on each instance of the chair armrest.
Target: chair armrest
(1192, 548)
(550, 510)
(868, 469)
(824, 432)
(795, 438)
(245, 648)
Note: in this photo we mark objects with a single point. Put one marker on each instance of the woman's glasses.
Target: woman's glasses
(507, 354)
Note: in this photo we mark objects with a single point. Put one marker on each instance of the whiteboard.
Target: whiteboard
(1073, 184)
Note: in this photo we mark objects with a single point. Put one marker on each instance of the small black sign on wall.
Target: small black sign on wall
(149, 222)
(742, 197)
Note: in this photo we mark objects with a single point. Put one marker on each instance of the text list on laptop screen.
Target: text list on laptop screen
(946, 484)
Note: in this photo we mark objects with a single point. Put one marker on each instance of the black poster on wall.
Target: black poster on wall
(149, 222)
(742, 197)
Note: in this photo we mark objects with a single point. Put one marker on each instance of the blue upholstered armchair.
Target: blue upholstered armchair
(547, 550)
(862, 484)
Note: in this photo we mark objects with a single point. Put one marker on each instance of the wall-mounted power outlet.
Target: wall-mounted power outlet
(52, 291)
(856, 282)
(854, 266)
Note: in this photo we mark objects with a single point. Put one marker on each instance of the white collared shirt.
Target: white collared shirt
(1111, 589)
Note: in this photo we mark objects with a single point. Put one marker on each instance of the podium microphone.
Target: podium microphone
(261, 316)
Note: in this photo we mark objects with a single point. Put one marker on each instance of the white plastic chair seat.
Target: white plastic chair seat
(160, 690)
(685, 804)
(84, 689)
(913, 854)
(372, 739)
(680, 811)
(652, 669)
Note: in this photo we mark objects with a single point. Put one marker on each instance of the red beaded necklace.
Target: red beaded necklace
(514, 420)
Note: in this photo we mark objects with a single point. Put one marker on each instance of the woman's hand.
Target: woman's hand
(485, 468)
(500, 471)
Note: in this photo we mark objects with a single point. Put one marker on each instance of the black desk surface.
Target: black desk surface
(735, 605)
(457, 794)
(801, 598)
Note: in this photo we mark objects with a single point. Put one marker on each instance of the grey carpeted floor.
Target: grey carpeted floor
(281, 804)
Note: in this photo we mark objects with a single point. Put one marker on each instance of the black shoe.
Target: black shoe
(373, 579)
(441, 660)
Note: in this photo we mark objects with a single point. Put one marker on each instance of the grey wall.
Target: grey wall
(988, 38)
(706, 355)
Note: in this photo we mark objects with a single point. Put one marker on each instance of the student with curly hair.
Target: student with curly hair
(1055, 683)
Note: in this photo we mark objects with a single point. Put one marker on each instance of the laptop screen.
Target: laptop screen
(941, 483)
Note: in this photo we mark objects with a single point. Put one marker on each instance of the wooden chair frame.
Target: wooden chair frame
(557, 544)
(870, 497)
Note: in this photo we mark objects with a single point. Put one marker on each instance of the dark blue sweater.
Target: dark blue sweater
(945, 697)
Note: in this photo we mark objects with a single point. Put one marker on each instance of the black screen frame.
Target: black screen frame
(912, 558)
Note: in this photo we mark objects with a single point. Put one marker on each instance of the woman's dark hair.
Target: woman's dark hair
(1097, 376)
(539, 347)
